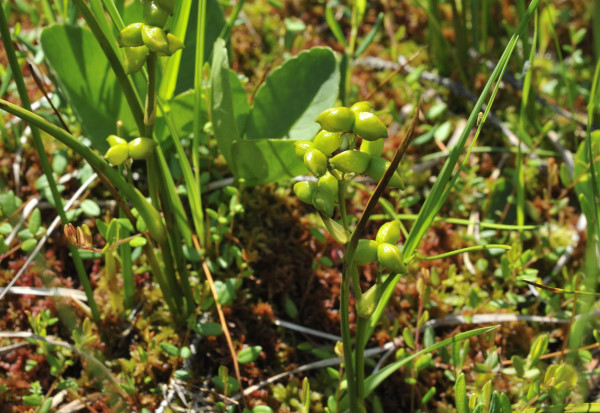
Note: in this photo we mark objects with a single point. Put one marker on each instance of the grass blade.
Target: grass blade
(440, 190)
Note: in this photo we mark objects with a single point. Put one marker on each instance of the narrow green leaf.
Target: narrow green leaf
(370, 36)
(440, 189)
(460, 395)
(334, 26)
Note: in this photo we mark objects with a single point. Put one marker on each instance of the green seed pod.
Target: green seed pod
(115, 140)
(323, 200)
(135, 57)
(316, 162)
(168, 5)
(366, 251)
(351, 161)
(141, 148)
(301, 147)
(117, 154)
(154, 15)
(373, 148)
(155, 39)
(152, 219)
(305, 190)
(131, 36)
(328, 142)
(389, 232)
(377, 168)
(329, 182)
(175, 43)
(390, 257)
(358, 107)
(369, 126)
(336, 119)
(369, 300)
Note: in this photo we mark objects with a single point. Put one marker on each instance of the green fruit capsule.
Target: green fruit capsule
(131, 36)
(115, 140)
(336, 119)
(369, 126)
(305, 190)
(141, 148)
(390, 257)
(351, 161)
(154, 15)
(328, 181)
(363, 106)
(389, 233)
(301, 147)
(323, 200)
(155, 39)
(168, 5)
(117, 154)
(366, 251)
(175, 43)
(328, 142)
(373, 148)
(368, 301)
(135, 57)
(316, 162)
(377, 168)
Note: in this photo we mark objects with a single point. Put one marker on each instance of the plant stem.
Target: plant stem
(359, 354)
(342, 203)
(150, 109)
(347, 338)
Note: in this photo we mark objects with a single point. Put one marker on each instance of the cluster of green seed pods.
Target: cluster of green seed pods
(329, 167)
(382, 249)
(120, 150)
(139, 39)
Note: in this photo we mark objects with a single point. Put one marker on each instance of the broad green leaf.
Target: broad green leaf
(240, 102)
(266, 160)
(293, 95)
(85, 77)
(222, 111)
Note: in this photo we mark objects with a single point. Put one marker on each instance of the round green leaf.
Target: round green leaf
(209, 329)
(249, 354)
(90, 208)
(170, 349)
(138, 242)
(35, 220)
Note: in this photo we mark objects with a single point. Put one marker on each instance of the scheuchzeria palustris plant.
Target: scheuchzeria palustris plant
(334, 168)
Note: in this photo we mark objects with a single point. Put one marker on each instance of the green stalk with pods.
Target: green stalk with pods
(327, 163)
